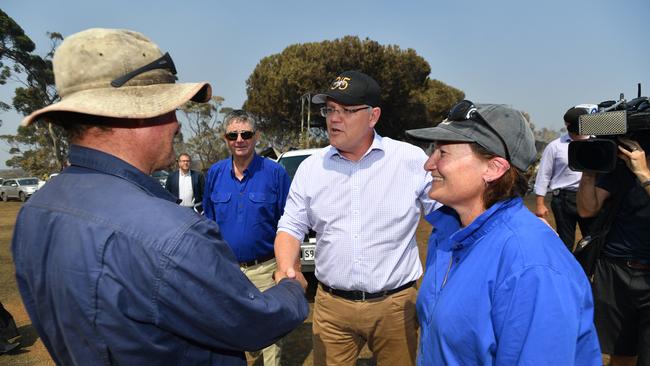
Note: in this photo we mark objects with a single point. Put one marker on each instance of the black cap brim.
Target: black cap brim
(341, 98)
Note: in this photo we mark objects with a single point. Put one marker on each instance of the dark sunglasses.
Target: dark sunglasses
(165, 63)
(246, 135)
(465, 110)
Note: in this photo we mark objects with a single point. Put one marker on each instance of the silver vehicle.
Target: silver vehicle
(20, 188)
(290, 160)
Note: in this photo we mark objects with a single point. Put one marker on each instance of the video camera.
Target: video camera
(630, 119)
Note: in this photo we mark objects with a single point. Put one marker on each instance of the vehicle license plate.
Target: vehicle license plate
(308, 252)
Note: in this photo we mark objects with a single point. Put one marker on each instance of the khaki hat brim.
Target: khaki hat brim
(128, 101)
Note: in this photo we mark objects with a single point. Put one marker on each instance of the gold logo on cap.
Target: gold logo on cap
(341, 83)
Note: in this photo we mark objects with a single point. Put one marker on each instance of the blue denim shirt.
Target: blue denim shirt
(512, 294)
(113, 271)
(247, 211)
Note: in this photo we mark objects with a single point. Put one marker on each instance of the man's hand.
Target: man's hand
(634, 157)
(292, 274)
(540, 208)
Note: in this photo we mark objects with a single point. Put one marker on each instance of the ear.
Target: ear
(374, 117)
(496, 168)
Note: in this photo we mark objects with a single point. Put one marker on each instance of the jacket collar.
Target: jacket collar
(109, 164)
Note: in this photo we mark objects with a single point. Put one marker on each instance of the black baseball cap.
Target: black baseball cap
(572, 116)
(351, 88)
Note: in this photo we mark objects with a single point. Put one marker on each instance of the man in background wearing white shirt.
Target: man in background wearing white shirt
(363, 196)
(555, 175)
(186, 184)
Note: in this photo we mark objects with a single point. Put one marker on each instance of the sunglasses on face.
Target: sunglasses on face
(465, 110)
(245, 135)
(165, 63)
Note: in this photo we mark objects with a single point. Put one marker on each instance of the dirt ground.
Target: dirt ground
(297, 345)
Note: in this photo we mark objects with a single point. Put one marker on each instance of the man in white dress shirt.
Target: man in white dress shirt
(186, 184)
(555, 175)
(363, 196)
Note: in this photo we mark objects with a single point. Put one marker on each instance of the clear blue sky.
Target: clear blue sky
(538, 56)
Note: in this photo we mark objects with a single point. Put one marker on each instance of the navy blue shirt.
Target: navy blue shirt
(629, 234)
(247, 211)
(113, 271)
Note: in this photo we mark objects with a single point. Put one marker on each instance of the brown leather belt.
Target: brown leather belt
(637, 265)
(362, 296)
(632, 264)
(255, 262)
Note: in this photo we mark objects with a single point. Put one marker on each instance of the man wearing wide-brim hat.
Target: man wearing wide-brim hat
(110, 268)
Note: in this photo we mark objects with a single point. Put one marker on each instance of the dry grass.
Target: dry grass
(297, 349)
(33, 351)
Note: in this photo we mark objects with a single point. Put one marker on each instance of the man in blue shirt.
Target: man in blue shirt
(245, 194)
(110, 268)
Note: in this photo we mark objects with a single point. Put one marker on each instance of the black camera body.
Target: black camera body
(630, 119)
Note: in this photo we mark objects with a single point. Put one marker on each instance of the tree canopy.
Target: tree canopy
(410, 99)
(203, 139)
(38, 149)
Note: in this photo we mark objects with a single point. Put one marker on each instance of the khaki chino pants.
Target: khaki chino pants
(342, 327)
(261, 275)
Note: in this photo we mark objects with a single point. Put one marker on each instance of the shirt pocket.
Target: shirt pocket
(221, 202)
(265, 205)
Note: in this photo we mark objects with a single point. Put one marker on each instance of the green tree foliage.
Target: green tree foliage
(410, 98)
(202, 136)
(38, 149)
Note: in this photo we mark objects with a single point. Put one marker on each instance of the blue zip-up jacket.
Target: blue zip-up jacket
(512, 294)
(113, 272)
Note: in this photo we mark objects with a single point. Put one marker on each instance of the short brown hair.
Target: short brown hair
(76, 125)
(513, 183)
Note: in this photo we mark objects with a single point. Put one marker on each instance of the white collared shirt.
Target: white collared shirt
(365, 214)
(553, 171)
(185, 192)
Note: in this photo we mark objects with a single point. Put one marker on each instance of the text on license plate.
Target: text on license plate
(308, 252)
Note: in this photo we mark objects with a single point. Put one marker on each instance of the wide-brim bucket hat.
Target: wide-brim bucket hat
(116, 73)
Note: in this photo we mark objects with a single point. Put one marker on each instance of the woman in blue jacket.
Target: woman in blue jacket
(500, 288)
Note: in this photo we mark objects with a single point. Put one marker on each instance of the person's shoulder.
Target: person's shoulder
(553, 145)
(219, 165)
(533, 242)
(401, 147)
(268, 163)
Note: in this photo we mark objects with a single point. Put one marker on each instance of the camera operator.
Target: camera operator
(621, 282)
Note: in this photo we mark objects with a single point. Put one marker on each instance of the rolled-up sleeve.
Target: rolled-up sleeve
(295, 219)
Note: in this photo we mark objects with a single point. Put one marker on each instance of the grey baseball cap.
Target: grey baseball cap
(503, 131)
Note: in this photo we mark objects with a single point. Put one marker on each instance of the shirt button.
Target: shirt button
(355, 236)
(251, 295)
